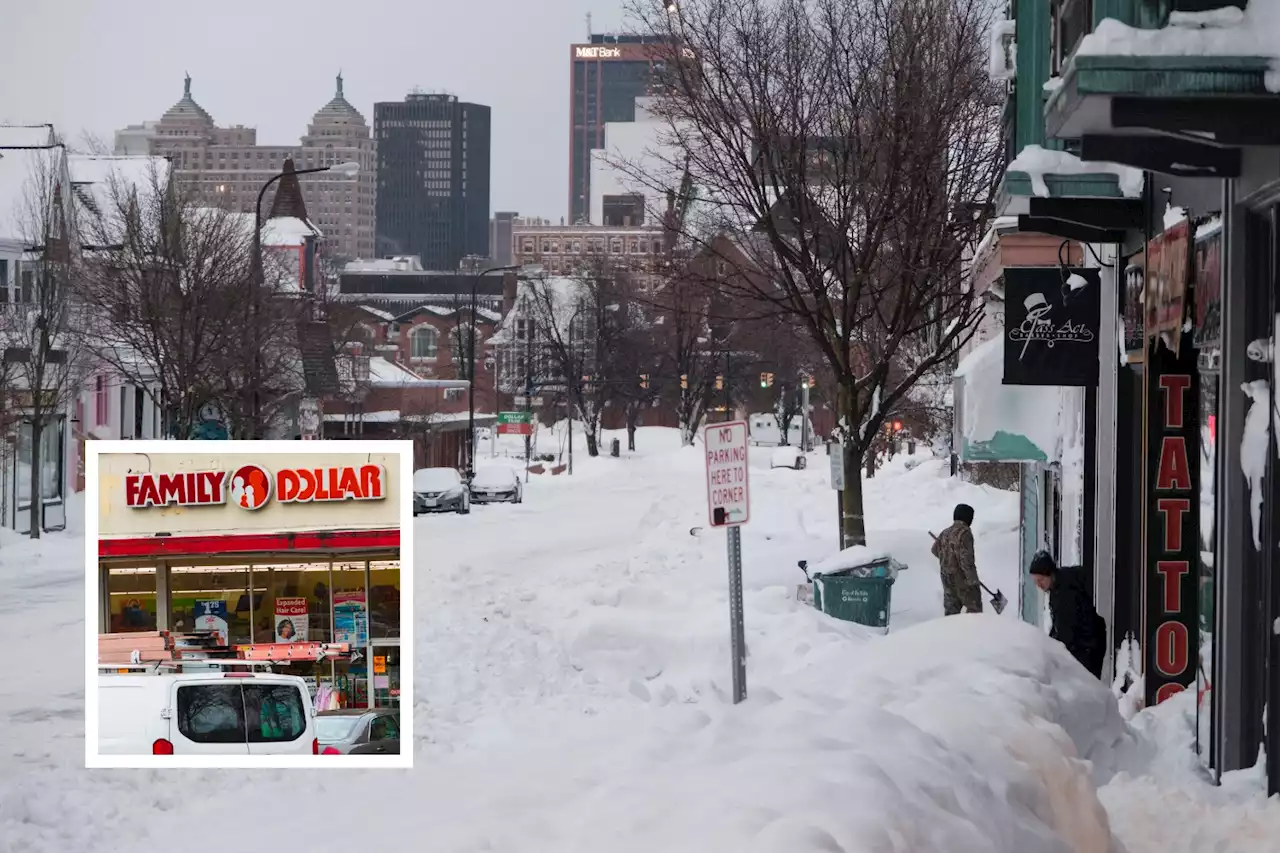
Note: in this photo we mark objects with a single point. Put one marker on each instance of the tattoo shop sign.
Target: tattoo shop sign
(1051, 323)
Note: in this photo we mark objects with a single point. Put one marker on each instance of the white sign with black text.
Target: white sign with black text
(728, 492)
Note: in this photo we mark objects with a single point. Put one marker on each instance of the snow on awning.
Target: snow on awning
(1037, 162)
(1003, 423)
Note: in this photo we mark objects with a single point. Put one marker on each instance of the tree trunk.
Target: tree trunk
(853, 527)
(37, 433)
(593, 441)
(631, 437)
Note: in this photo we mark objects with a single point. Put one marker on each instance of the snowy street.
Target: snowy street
(572, 694)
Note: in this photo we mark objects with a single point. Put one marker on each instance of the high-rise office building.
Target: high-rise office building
(607, 75)
(433, 179)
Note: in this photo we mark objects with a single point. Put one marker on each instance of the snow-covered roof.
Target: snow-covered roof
(1037, 162)
(1252, 32)
(387, 374)
(94, 179)
(282, 231)
(20, 162)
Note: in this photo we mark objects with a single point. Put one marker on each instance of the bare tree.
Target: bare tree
(42, 336)
(858, 141)
(166, 283)
(582, 323)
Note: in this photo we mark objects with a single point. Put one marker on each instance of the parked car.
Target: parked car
(440, 490)
(359, 731)
(787, 457)
(205, 713)
(497, 484)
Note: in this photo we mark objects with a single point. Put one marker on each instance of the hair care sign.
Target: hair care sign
(1173, 522)
(291, 620)
(1051, 322)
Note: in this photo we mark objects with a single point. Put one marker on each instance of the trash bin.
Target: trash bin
(615, 448)
(861, 594)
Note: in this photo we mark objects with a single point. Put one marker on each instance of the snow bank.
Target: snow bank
(1255, 32)
(1165, 803)
(1037, 162)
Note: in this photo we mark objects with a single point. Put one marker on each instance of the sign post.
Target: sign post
(835, 456)
(728, 504)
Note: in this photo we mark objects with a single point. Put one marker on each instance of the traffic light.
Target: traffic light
(719, 383)
(808, 382)
(644, 381)
(897, 426)
(766, 380)
(684, 382)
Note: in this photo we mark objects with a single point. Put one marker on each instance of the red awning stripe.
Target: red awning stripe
(246, 543)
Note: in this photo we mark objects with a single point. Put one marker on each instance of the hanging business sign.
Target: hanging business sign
(1207, 331)
(1051, 323)
(1173, 528)
(1132, 308)
(1168, 262)
(251, 487)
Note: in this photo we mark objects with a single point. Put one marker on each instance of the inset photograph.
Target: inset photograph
(247, 605)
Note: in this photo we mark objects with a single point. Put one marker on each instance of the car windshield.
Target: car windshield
(334, 729)
(435, 479)
(496, 476)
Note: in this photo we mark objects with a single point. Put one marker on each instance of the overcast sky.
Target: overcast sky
(98, 65)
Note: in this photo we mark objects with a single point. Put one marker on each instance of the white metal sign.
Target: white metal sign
(728, 492)
(836, 458)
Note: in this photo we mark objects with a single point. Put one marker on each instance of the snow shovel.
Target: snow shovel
(998, 601)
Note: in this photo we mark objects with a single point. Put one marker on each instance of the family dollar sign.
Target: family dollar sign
(728, 493)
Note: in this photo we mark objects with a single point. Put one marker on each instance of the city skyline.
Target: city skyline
(275, 84)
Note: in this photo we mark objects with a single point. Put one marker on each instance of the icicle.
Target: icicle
(1254, 445)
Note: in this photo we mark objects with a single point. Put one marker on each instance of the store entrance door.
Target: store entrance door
(385, 673)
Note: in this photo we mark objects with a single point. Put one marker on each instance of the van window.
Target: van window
(211, 713)
(274, 713)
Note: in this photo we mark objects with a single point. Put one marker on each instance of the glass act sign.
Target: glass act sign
(727, 479)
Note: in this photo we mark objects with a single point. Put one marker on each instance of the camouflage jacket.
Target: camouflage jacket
(954, 550)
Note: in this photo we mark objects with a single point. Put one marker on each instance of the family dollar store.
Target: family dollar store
(291, 557)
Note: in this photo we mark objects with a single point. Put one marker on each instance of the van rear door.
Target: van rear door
(207, 717)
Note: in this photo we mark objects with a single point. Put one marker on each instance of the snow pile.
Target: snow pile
(1037, 162)
(988, 406)
(1166, 805)
(1221, 32)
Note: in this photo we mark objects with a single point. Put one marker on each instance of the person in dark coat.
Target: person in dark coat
(1076, 623)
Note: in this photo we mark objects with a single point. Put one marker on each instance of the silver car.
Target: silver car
(440, 490)
(497, 484)
(359, 731)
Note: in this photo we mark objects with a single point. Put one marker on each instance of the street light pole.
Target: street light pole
(348, 170)
(471, 359)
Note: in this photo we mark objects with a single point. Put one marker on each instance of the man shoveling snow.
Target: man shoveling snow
(1076, 623)
(961, 589)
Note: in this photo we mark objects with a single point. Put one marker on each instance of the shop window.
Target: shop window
(132, 600)
(198, 592)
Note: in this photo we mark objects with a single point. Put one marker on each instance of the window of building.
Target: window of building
(423, 342)
(100, 401)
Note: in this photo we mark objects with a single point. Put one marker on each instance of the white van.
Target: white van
(208, 712)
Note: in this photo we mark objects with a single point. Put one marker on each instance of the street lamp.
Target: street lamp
(347, 170)
(471, 359)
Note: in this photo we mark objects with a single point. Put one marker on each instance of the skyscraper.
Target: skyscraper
(433, 179)
(608, 74)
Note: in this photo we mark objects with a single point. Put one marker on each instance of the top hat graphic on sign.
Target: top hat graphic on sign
(1036, 304)
(250, 487)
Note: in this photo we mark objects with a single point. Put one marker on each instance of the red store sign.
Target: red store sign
(252, 487)
(1173, 529)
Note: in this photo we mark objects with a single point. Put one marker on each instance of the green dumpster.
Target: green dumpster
(861, 594)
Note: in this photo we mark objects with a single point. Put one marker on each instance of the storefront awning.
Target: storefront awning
(1002, 423)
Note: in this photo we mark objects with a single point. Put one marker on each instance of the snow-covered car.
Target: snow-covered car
(440, 490)
(497, 484)
(787, 457)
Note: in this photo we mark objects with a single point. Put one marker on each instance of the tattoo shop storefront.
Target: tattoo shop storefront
(1196, 578)
(282, 557)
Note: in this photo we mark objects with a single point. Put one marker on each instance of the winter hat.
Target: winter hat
(964, 513)
(1043, 564)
